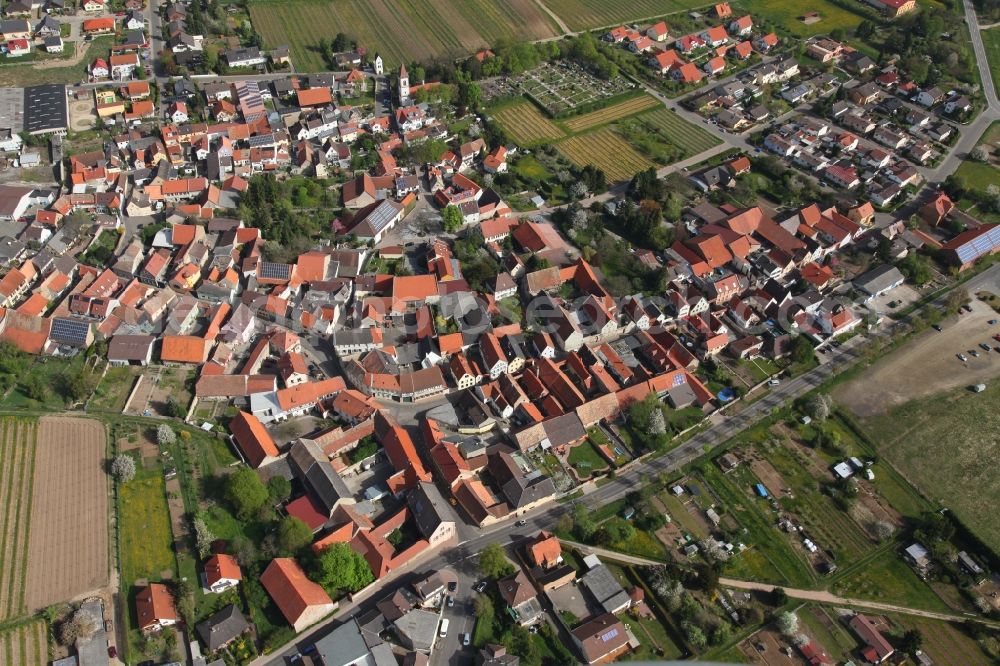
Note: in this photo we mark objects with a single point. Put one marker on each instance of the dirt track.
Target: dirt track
(68, 549)
(927, 365)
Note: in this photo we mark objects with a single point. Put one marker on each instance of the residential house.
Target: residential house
(301, 601)
(155, 608)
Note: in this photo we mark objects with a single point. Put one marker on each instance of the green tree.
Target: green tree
(493, 562)
(279, 489)
(74, 385)
(246, 492)
(911, 642)
(292, 536)
(583, 523)
(802, 350)
(484, 607)
(340, 570)
(452, 218)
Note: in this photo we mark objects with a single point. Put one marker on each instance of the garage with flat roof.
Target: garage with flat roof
(46, 110)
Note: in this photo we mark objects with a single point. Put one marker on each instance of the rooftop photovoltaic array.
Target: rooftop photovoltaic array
(72, 331)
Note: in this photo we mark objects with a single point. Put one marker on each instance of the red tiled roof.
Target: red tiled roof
(222, 567)
(253, 438)
(184, 349)
(154, 603)
(291, 591)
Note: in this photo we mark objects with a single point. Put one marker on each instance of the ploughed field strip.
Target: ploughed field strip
(68, 548)
(526, 124)
(605, 150)
(17, 461)
(399, 30)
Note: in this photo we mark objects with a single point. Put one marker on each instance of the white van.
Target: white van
(444, 628)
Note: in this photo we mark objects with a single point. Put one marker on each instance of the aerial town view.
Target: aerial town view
(499, 332)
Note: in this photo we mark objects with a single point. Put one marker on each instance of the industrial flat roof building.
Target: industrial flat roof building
(46, 109)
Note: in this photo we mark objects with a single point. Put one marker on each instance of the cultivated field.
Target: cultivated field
(605, 150)
(24, 645)
(526, 124)
(926, 366)
(584, 14)
(68, 549)
(786, 13)
(688, 137)
(609, 114)
(945, 444)
(399, 30)
(17, 460)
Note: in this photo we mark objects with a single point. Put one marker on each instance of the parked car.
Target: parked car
(112, 651)
(521, 523)
(984, 346)
(466, 639)
(961, 357)
(937, 327)
(773, 381)
(451, 601)
(992, 322)
(974, 353)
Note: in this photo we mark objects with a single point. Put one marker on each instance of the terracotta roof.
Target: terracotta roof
(291, 591)
(184, 349)
(253, 438)
(154, 603)
(315, 97)
(222, 567)
(545, 551)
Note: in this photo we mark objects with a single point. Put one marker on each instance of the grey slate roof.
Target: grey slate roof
(222, 627)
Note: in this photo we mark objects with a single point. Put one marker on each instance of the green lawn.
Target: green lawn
(991, 40)
(585, 458)
(29, 74)
(887, 578)
(940, 444)
(144, 528)
(785, 14)
(529, 168)
(114, 388)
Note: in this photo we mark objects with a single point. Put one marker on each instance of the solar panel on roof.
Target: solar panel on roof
(70, 330)
(678, 379)
(272, 271)
(608, 635)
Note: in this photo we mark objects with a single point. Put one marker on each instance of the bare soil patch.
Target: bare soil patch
(769, 476)
(928, 365)
(772, 655)
(68, 548)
